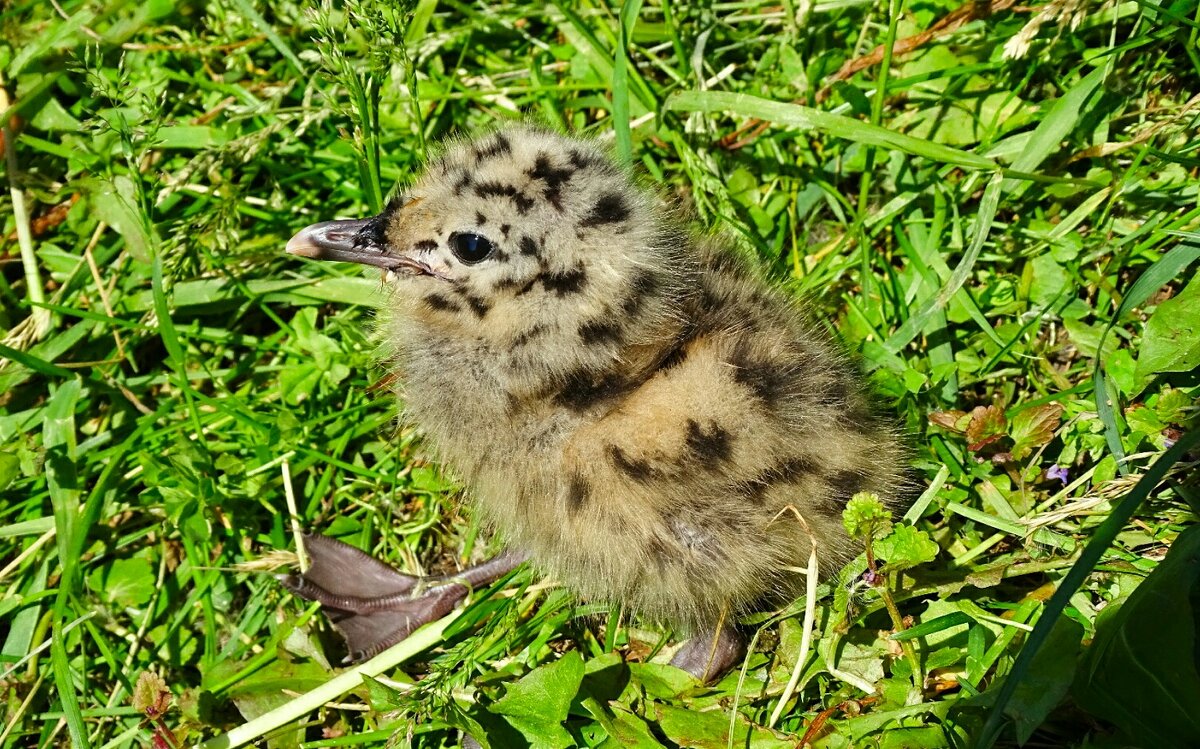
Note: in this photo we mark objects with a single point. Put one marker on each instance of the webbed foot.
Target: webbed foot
(709, 655)
(373, 605)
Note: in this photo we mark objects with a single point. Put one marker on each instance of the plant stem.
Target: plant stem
(910, 652)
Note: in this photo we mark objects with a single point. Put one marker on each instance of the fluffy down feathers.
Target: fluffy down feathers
(634, 406)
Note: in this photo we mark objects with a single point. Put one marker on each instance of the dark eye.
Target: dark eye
(471, 248)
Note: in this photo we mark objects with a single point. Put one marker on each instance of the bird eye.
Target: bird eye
(471, 248)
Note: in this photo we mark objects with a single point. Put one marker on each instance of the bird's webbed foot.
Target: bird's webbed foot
(373, 605)
(709, 655)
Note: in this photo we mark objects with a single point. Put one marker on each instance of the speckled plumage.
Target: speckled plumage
(631, 404)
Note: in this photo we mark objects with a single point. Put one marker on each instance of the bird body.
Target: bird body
(632, 405)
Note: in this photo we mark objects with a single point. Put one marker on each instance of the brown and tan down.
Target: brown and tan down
(635, 407)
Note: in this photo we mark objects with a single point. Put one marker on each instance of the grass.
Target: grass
(1007, 243)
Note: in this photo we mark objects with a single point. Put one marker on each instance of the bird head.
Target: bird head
(525, 239)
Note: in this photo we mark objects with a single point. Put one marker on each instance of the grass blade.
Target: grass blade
(807, 118)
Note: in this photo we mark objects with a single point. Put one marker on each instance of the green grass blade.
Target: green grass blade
(620, 82)
(807, 118)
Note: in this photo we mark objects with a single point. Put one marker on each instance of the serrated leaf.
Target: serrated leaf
(1144, 420)
(151, 695)
(1171, 407)
(1171, 342)
(954, 421)
(1033, 427)
(865, 513)
(537, 704)
(987, 425)
(906, 547)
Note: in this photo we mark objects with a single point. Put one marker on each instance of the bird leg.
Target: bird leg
(373, 605)
(709, 655)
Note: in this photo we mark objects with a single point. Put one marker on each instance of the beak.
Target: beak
(355, 241)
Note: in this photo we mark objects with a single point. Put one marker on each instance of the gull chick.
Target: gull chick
(632, 407)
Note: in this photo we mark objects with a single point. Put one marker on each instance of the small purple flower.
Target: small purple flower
(871, 577)
(1059, 472)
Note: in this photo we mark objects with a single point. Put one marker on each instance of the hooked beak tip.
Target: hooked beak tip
(303, 245)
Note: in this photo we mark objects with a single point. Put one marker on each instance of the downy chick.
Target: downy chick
(632, 407)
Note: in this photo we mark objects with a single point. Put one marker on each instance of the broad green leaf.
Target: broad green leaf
(1101, 538)
(661, 680)
(1171, 342)
(125, 582)
(914, 737)
(1090, 339)
(710, 730)
(1142, 671)
(537, 705)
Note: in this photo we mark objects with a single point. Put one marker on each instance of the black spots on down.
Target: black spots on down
(583, 389)
(643, 284)
(638, 470)
(766, 380)
(712, 445)
(425, 245)
(508, 283)
(527, 335)
(528, 245)
(835, 392)
(393, 207)
(477, 305)
(595, 332)
(464, 181)
(499, 190)
(578, 492)
(564, 282)
(480, 219)
(505, 229)
(442, 304)
(676, 356)
(785, 472)
(497, 146)
(584, 160)
(842, 485)
(610, 208)
(554, 178)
